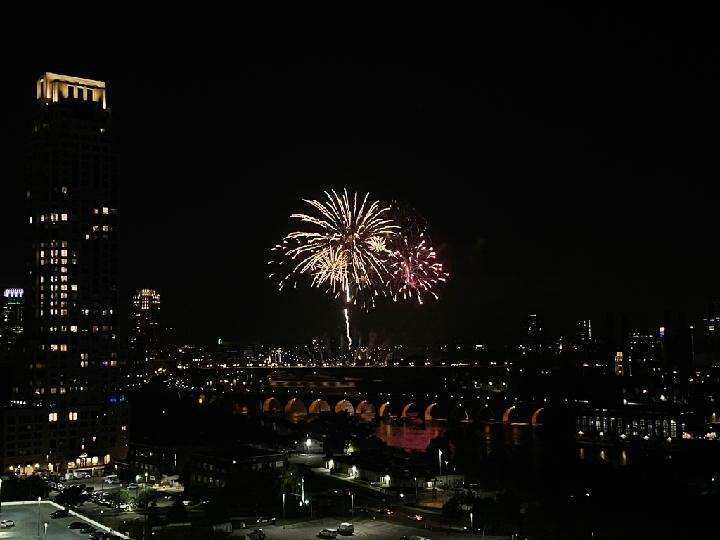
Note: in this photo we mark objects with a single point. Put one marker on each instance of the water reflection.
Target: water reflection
(411, 437)
(416, 436)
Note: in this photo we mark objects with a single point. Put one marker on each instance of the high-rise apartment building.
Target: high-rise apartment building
(11, 317)
(71, 372)
(145, 334)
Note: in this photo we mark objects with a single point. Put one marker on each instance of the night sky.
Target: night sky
(567, 164)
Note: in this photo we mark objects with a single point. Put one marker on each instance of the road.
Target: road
(381, 530)
(26, 520)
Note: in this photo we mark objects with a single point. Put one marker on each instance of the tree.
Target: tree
(177, 512)
(120, 496)
(144, 498)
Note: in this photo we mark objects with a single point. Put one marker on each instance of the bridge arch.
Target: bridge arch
(246, 408)
(460, 413)
(409, 409)
(365, 410)
(385, 410)
(319, 406)
(272, 405)
(295, 409)
(535, 418)
(344, 406)
(433, 412)
(507, 413)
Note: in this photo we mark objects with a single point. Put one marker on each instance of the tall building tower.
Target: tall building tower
(584, 331)
(11, 317)
(144, 337)
(72, 288)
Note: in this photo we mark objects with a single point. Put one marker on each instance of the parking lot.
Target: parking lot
(26, 523)
(363, 529)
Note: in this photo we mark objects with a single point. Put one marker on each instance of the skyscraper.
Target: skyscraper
(72, 290)
(11, 317)
(144, 337)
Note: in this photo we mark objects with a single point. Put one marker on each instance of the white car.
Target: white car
(327, 533)
(6, 523)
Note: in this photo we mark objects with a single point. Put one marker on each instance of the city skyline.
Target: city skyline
(546, 205)
(453, 287)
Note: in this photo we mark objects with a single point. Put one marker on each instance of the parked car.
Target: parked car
(88, 529)
(77, 525)
(6, 523)
(265, 519)
(257, 534)
(60, 513)
(346, 529)
(132, 485)
(327, 533)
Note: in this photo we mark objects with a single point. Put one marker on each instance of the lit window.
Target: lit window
(72, 416)
(73, 328)
(63, 217)
(106, 210)
(52, 417)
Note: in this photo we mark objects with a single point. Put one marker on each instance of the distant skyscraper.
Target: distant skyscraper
(533, 340)
(584, 331)
(72, 290)
(534, 327)
(144, 337)
(11, 316)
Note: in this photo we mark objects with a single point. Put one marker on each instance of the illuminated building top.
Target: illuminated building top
(13, 293)
(52, 87)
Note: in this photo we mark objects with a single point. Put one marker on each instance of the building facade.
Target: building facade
(144, 336)
(11, 317)
(69, 376)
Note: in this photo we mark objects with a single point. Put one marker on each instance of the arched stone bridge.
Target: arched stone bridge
(425, 408)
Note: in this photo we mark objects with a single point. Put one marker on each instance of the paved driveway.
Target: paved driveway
(381, 530)
(26, 519)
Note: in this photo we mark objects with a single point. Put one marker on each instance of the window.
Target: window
(52, 417)
(72, 416)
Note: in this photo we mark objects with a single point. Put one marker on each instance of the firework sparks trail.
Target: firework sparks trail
(340, 245)
(415, 270)
(359, 249)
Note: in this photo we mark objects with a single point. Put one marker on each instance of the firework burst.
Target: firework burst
(358, 249)
(340, 245)
(415, 270)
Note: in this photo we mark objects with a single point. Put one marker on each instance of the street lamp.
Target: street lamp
(352, 503)
(38, 518)
(283, 505)
(440, 460)
(45, 533)
(0, 494)
(471, 522)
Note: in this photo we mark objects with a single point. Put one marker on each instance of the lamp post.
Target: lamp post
(38, 518)
(0, 495)
(416, 488)
(471, 522)
(352, 503)
(283, 505)
(440, 460)
(45, 533)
